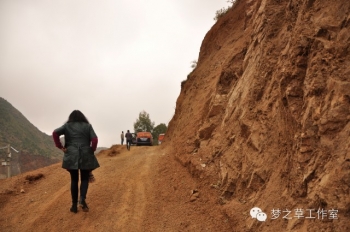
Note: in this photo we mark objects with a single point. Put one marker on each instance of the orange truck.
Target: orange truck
(144, 138)
(160, 138)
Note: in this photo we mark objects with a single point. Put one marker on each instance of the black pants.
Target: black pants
(84, 184)
(128, 144)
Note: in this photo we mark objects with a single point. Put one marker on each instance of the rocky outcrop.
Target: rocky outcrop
(265, 114)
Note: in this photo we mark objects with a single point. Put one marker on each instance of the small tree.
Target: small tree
(194, 64)
(159, 129)
(220, 13)
(223, 11)
(143, 123)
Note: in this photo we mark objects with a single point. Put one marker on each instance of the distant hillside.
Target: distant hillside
(16, 130)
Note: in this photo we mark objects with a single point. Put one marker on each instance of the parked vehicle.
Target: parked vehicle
(160, 138)
(144, 138)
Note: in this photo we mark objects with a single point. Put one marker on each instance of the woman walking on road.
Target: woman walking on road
(80, 144)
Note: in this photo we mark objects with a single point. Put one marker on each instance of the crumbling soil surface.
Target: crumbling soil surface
(267, 111)
(143, 189)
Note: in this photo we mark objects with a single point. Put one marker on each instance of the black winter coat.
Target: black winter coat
(79, 154)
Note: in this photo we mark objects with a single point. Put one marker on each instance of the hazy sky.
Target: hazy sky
(111, 59)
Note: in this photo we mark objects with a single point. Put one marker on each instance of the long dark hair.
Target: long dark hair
(77, 116)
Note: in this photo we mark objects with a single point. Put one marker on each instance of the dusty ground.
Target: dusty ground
(141, 190)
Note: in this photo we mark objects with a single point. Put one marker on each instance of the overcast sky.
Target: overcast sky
(111, 59)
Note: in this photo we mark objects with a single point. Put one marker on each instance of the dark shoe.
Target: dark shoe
(84, 206)
(74, 209)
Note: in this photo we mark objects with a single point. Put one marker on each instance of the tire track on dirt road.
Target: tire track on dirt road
(123, 183)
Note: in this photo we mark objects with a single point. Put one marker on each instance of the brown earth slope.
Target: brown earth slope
(265, 114)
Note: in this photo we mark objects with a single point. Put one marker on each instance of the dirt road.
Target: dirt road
(144, 189)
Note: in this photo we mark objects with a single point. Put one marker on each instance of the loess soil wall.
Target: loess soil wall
(264, 117)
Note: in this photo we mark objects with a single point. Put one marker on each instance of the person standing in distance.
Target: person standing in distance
(80, 144)
(122, 137)
(128, 137)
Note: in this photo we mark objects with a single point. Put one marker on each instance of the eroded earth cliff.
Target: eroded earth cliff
(264, 117)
